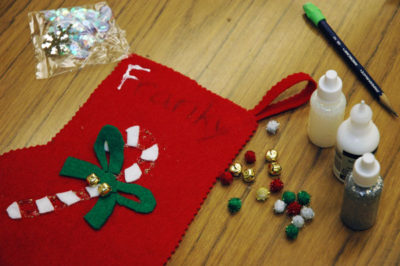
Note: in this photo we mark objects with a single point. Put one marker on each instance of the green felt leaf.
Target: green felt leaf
(99, 214)
(147, 201)
(79, 169)
(116, 144)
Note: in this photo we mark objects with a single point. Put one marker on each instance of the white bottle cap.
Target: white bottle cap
(366, 170)
(329, 86)
(361, 114)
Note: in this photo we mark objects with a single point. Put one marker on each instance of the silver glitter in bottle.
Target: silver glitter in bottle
(363, 188)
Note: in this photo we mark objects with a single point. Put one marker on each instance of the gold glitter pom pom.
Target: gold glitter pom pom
(92, 179)
(236, 169)
(262, 194)
(274, 168)
(104, 189)
(271, 155)
(248, 175)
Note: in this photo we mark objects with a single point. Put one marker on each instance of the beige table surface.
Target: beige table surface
(237, 49)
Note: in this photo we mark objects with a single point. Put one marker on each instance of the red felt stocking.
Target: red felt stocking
(168, 125)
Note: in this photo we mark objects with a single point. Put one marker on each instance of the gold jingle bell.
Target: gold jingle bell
(271, 155)
(104, 189)
(274, 168)
(235, 169)
(248, 175)
(92, 179)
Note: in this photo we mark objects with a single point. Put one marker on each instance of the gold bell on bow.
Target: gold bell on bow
(274, 168)
(249, 175)
(104, 189)
(92, 179)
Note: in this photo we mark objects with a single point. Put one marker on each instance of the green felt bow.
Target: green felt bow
(99, 214)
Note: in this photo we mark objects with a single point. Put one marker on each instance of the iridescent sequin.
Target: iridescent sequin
(86, 40)
(105, 13)
(102, 26)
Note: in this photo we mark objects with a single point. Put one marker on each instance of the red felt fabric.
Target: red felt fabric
(189, 124)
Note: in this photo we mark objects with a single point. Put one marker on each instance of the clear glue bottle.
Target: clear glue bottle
(362, 191)
(327, 105)
(356, 135)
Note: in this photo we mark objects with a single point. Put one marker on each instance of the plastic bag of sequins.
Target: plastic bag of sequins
(67, 39)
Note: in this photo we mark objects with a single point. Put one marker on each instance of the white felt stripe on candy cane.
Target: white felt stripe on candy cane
(68, 197)
(132, 138)
(13, 211)
(32, 208)
(44, 205)
(132, 173)
(93, 191)
(150, 154)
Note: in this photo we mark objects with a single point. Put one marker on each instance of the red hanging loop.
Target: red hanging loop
(265, 109)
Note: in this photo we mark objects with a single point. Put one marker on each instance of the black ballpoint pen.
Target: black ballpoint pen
(315, 15)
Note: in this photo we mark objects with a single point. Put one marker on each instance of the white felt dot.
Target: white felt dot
(44, 205)
(150, 154)
(93, 191)
(132, 173)
(106, 148)
(13, 211)
(132, 138)
(68, 197)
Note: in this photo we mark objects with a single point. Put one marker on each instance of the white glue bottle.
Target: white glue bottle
(356, 136)
(327, 105)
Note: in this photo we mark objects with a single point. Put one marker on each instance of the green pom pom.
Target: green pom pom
(291, 231)
(288, 197)
(234, 205)
(303, 197)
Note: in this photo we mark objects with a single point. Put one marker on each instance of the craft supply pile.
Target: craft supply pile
(198, 123)
(297, 206)
(355, 141)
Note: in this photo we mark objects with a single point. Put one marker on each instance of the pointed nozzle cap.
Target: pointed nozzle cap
(366, 170)
(361, 114)
(329, 86)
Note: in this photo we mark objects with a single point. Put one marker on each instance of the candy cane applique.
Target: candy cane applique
(149, 155)
(137, 138)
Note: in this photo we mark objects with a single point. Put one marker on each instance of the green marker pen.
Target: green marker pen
(314, 14)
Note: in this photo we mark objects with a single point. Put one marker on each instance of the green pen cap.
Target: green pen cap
(313, 13)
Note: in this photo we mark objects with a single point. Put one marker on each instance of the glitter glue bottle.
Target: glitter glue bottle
(362, 191)
(355, 136)
(327, 105)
